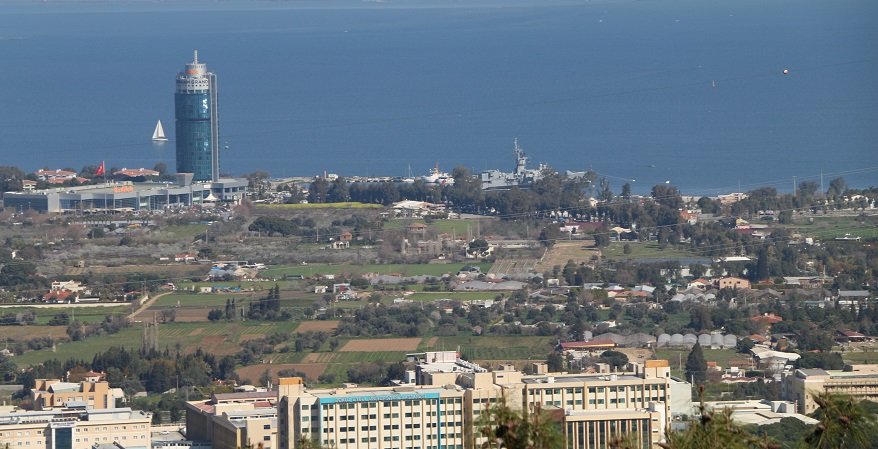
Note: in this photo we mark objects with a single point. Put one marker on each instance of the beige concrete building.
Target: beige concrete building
(444, 413)
(802, 385)
(234, 420)
(75, 429)
(49, 394)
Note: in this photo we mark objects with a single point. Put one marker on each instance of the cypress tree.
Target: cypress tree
(696, 366)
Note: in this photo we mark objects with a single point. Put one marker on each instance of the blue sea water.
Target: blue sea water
(356, 88)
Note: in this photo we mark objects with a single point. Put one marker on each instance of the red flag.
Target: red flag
(100, 170)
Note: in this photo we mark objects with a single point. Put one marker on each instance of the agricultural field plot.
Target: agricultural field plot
(311, 206)
(256, 286)
(254, 372)
(402, 269)
(677, 358)
(189, 337)
(317, 326)
(500, 348)
(179, 271)
(382, 345)
(181, 231)
(864, 357)
(82, 350)
(644, 250)
(16, 333)
(182, 314)
(348, 358)
(578, 251)
(198, 300)
(458, 226)
(513, 267)
(82, 314)
(246, 337)
(636, 354)
(830, 227)
(460, 296)
(214, 344)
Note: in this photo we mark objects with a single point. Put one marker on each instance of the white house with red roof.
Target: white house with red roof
(55, 175)
(185, 257)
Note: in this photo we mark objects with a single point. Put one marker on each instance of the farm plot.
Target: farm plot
(254, 372)
(246, 337)
(15, 333)
(513, 267)
(501, 348)
(214, 344)
(317, 326)
(561, 252)
(382, 345)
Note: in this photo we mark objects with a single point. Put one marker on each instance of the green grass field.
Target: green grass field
(170, 335)
(681, 318)
(346, 205)
(826, 227)
(83, 314)
(440, 226)
(644, 250)
(404, 269)
(855, 357)
(460, 296)
(256, 285)
(720, 356)
(199, 299)
(500, 348)
(181, 231)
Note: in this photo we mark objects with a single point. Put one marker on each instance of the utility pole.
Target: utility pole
(794, 186)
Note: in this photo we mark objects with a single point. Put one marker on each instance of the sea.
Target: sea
(711, 96)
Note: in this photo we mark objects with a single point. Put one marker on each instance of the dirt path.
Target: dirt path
(147, 304)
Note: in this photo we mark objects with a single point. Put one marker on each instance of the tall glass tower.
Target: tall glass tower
(197, 136)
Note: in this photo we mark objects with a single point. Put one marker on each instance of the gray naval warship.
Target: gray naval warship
(522, 177)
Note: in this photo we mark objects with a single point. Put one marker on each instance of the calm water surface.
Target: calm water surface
(350, 87)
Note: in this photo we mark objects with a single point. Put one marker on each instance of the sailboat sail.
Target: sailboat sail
(159, 133)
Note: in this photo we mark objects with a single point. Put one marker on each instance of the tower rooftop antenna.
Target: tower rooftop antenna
(196, 57)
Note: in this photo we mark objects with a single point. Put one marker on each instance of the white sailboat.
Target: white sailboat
(159, 134)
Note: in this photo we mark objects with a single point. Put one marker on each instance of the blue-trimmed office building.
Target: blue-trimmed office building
(438, 407)
(197, 128)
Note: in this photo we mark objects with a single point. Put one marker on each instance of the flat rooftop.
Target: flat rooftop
(561, 379)
(377, 393)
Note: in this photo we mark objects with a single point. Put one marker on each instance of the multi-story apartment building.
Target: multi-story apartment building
(49, 394)
(444, 414)
(75, 429)
(802, 385)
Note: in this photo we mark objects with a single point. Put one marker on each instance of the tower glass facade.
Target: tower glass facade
(197, 129)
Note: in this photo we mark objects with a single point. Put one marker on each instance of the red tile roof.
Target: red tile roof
(768, 318)
(134, 173)
(58, 295)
